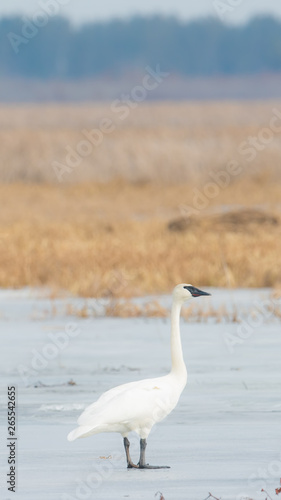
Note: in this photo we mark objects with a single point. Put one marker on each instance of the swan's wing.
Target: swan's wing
(98, 405)
(150, 399)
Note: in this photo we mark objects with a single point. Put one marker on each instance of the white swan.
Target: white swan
(137, 406)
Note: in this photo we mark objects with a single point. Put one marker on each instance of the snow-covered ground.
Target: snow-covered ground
(224, 437)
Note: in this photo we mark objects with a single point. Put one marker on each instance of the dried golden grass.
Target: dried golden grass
(127, 309)
(105, 241)
(112, 239)
(237, 220)
(166, 142)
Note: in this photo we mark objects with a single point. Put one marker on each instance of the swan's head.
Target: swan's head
(185, 292)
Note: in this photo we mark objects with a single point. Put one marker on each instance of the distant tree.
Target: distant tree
(201, 47)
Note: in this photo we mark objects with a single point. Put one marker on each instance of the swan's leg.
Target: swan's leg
(142, 464)
(130, 464)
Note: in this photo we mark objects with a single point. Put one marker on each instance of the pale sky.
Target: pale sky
(87, 10)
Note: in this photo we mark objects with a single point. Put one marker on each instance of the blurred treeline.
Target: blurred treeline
(201, 47)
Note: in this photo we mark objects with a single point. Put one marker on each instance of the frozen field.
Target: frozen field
(224, 437)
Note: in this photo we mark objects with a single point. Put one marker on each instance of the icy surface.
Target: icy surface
(224, 436)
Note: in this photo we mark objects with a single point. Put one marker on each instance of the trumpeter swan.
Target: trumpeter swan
(137, 406)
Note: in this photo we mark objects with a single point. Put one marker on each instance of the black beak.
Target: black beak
(195, 292)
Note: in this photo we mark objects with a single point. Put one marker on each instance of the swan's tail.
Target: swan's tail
(80, 432)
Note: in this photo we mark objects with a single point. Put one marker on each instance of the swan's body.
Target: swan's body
(137, 406)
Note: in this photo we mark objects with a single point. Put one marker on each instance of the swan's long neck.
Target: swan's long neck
(178, 365)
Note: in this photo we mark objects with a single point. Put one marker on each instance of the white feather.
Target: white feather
(137, 406)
